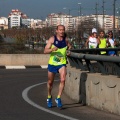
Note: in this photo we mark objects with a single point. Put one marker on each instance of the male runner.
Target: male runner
(57, 47)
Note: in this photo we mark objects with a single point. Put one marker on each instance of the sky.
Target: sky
(41, 8)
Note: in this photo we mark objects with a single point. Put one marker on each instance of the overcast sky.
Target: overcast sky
(41, 8)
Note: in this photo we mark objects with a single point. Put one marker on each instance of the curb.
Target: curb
(24, 67)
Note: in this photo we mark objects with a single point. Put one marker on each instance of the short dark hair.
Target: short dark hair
(60, 25)
(110, 32)
(102, 31)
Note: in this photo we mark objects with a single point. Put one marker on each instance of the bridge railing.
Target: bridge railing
(90, 60)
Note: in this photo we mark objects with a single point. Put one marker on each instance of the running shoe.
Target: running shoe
(58, 102)
(49, 102)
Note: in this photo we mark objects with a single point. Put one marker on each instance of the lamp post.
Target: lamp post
(103, 13)
(79, 11)
(118, 17)
(70, 18)
(118, 24)
(96, 8)
(64, 8)
(64, 21)
(79, 20)
(114, 5)
(68, 21)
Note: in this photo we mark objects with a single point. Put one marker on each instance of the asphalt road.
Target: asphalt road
(23, 97)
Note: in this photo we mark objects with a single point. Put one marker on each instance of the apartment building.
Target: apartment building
(106, 22)
(26, 22)
(71, 23)
(17, 19)
(14, 18)
(55, 19)
(38, 23)
(118, 22)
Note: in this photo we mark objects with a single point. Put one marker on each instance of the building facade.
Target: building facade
(17, 19)
(55, 19)
(14, 18)
(71, 23)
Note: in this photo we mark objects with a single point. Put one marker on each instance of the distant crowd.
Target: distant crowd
(96, 40)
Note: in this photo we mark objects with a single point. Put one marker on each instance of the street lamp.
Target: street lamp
(103, 13)
(64, 8)
(118, 11)
(114, 5)
(118, 23)
(68, 20)
(79, 11)
(79, 20)
(96, 8)
(64, 23)
(69, 23)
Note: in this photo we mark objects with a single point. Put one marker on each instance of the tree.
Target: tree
(86, 26)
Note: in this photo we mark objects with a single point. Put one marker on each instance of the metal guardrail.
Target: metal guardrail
(90, 60)
(95, 50)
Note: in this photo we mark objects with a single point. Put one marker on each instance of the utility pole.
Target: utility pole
(96, 15)
(118, 26)
(65, 17)
(114, 5)
(69, 24)
(103, 13)
(79, 20)
(79, 11)
(119, 22)
(119, 18)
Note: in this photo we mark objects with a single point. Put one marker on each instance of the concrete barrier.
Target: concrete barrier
(23, 59)
(103, 92)
(94, 89)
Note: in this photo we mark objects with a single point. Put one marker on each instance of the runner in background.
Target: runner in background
(103, 42)
(112, 43)
(92, 41)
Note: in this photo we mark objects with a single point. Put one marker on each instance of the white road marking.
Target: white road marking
(26, 98)
(15, 67)
(22, 67)
(44, 66)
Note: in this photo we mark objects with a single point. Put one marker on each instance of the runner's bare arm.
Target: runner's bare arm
(48, 48)
(98, 40)
(108, 43)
